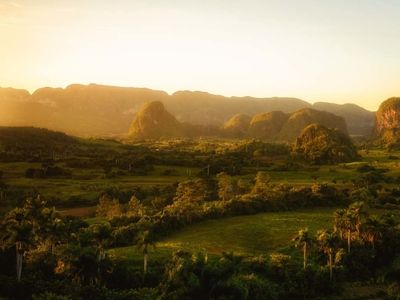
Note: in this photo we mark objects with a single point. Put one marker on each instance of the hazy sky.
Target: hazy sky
(318, 50)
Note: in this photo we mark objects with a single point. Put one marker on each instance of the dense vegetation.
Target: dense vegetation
(320, 145)
(388, 124)
(139, 196)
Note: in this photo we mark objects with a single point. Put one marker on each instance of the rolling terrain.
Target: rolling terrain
(99, 110)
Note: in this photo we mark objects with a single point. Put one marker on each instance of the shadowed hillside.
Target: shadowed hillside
(14, 139)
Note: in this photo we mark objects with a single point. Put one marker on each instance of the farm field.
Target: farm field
(249, 235)
(244, 235)
(85, 185)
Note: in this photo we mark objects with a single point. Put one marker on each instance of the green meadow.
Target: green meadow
(86, 184)
(244, 235)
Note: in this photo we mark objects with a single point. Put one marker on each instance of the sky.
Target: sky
(318, 50)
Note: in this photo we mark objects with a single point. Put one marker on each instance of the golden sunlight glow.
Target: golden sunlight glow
(314, 50)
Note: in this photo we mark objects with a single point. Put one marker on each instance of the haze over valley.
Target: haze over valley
(97, 110)
(199, 150)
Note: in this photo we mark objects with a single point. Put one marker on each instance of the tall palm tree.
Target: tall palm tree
(17, 233)
(144, 241)
(101, 238)
(303, 240)
(339, 221)
(371, 230)
(349, 225)
(327, 242)
(50, 228)
(357, 210)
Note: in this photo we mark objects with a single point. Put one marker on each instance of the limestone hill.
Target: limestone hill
(236, 126)
(153, 121)
(387, 128)
(99, 110)
(304, 117)
(267, 125)
(321, 145)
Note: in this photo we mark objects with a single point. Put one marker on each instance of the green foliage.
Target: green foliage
(320, 145)
(195, 190)
(227, 187)
(134, 208)
(108, 207)
(261, 185)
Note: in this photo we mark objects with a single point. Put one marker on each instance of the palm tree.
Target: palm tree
(17, 233)
(349, 224)
(371, 230)
(101, 238)
(328, 242)
(144, 241)
(339, 221)
(303, 240)
(50, 228)
(357, 210)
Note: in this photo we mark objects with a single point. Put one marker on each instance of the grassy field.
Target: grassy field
(246, 235)
(85, 185)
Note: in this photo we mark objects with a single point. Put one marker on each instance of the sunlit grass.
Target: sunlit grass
(245, 235)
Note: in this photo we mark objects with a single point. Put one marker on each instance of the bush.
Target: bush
(34, 173)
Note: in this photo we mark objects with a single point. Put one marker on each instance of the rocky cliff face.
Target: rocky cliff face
(387, 127)
(388, 115)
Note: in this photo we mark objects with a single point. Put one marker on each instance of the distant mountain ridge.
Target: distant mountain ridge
(359, 120)
(100, 110)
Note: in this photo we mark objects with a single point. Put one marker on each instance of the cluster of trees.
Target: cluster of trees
(47, 170)
(53, 247)
(111, 207)
(64, 256)
(199, 199)
(360, 245)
